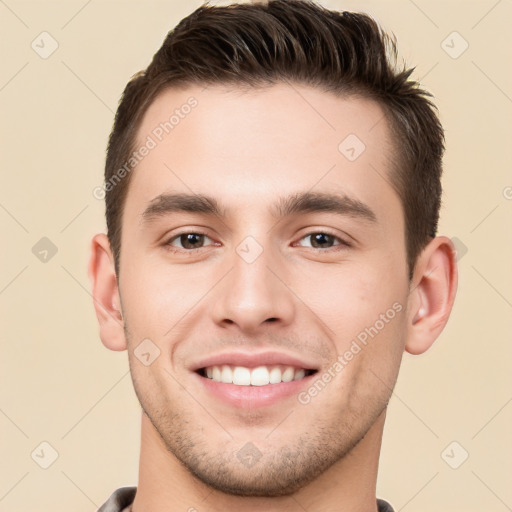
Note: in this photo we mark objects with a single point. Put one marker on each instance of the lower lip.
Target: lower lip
(250, 397)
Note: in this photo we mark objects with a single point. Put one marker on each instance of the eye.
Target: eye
(322, 240)
(188, 241)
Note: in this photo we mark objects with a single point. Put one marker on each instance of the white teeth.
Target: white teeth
(216, 375)
(259, 376)
(241, 376)
(300, 374)
(275, 376)
(226, 374)
(288, 374)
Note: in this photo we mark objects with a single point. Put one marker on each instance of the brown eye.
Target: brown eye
(321, 240)
(188, 241)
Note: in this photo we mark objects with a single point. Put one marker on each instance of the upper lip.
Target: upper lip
(254, 359)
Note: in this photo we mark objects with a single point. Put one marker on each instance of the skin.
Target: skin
(247, 149)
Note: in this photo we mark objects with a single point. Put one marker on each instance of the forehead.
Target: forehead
(246, 147)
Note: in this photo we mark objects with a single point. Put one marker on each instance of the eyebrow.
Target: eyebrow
(305, 202)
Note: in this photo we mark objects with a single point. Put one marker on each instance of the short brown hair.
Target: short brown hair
(297, 41)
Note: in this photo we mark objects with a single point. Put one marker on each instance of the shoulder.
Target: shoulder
(119, 499)
(384, 506)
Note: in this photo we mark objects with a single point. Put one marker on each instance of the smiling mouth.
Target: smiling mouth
(258, 376)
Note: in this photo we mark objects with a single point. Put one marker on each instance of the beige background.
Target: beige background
(60, 385)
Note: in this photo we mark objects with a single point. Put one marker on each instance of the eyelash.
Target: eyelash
(342, 243)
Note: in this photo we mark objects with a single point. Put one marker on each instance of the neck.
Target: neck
(166, 485)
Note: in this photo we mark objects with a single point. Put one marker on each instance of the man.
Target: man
(272, 195)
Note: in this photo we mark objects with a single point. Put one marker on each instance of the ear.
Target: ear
(433, 289)
(105, 292)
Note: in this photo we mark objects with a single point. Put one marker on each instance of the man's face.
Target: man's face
(299, 285)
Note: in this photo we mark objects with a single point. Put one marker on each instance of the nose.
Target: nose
(254, 296)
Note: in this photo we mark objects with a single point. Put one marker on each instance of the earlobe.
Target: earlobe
(431, 299)
(105, 292)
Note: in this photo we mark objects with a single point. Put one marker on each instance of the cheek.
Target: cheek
(364, 312)
(162, 302)
(370, 362)
(151, 300)
(353, 297)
